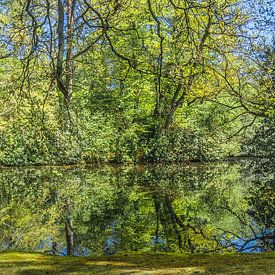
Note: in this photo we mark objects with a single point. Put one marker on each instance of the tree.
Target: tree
(55, 33)
(177, 46)
(155, 70)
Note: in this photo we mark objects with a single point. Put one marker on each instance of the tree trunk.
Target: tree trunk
(65, 46)
(61, 48)
(69, 57)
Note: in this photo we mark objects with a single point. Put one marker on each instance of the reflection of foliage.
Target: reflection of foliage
(260, 197)
(262, 202)
(196, 208)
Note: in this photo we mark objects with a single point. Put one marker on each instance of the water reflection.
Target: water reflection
(86, 211)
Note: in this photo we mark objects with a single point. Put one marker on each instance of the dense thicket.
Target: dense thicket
(133, 81)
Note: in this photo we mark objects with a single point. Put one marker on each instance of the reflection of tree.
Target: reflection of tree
(36, 203)
(254, 237)
(260, 197)
(170, 189)
(171, 223)
(69, 227)
(195, 208)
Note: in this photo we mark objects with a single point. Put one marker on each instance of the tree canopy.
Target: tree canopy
(133, 81)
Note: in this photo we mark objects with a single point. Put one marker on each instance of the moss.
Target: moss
(136, 263)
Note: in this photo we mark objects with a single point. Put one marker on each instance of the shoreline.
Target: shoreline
(121, 164)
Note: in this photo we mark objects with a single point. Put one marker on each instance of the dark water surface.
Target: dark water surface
(106, 210)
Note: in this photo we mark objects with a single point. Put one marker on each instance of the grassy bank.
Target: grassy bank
(30, 263)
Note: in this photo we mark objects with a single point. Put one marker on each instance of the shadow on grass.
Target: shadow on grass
(28, 263)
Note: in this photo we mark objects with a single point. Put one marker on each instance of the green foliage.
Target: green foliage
(194, 208)
(151, 81)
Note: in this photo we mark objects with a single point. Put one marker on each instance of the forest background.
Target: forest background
(84, 81)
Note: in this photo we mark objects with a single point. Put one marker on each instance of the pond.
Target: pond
(87, 210)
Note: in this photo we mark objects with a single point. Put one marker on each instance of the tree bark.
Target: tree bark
(61, 48)
(70, 57)
(65, 47)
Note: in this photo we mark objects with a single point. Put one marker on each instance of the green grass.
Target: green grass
(138, 263)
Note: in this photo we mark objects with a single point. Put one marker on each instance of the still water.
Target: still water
(109, 209)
